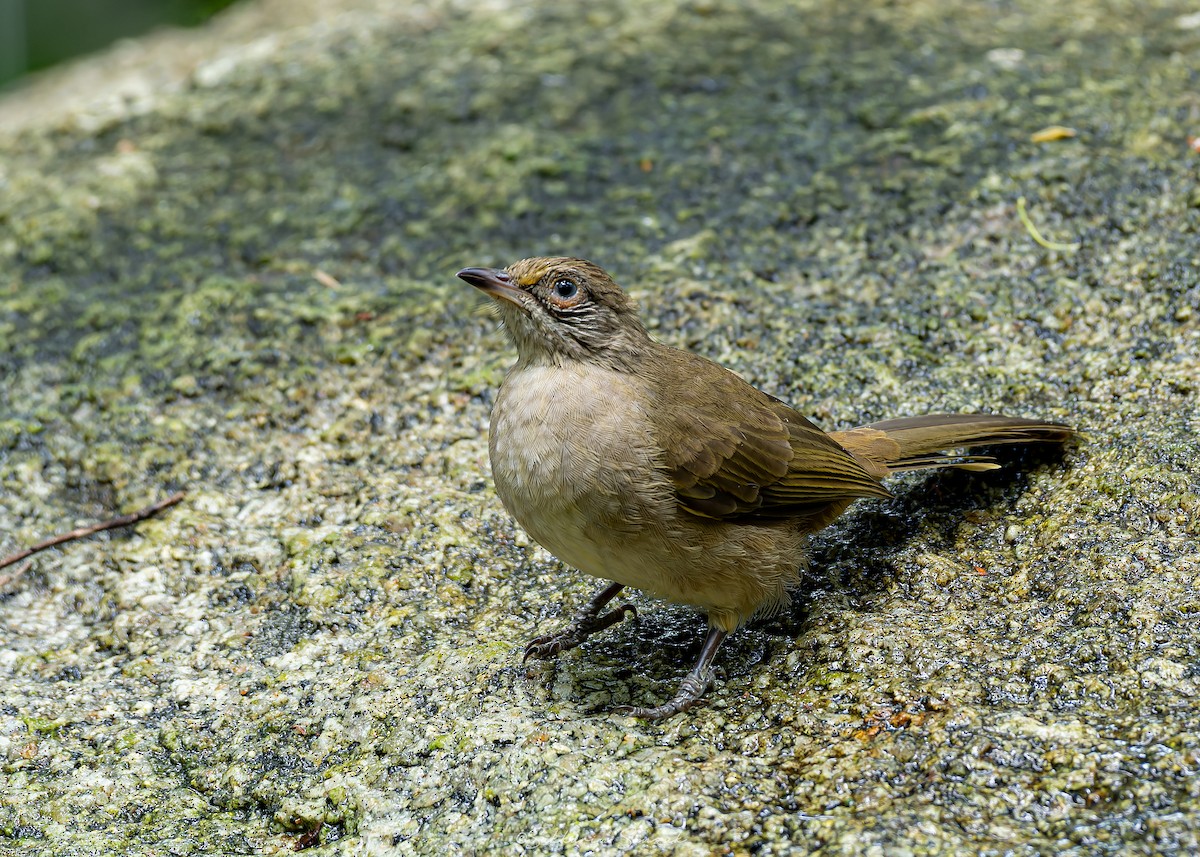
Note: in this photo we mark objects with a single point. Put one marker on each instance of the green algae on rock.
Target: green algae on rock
(326, 636)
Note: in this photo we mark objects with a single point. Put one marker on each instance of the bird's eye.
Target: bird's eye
(565, 288)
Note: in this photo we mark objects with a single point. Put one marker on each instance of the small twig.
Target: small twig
(1037, 236)
(6, 579)
(110, 524)
(327, 280)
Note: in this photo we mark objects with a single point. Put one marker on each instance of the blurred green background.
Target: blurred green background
(36, 34)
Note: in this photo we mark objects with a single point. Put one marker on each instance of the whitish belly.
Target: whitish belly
(573, 460)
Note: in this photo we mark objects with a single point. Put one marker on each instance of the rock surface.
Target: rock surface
(238, 281)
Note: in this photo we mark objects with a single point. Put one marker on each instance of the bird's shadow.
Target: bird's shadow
(855, 557)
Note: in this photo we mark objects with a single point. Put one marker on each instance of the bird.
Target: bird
(655, 468)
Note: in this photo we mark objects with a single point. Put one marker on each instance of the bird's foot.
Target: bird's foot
(693, 686)
(691, 690)
(582, 627)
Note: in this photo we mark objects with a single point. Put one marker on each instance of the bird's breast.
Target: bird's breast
(575, 461)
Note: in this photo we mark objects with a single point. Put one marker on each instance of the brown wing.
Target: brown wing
(733, 451)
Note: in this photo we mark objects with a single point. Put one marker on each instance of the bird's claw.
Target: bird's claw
(543, 648)
(547, 646)
(691, 690)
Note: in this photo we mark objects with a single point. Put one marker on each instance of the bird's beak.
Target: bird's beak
(497, 285)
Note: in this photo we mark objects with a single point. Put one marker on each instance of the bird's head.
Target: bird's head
(558, 309)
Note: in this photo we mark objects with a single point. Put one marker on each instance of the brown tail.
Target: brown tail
(916, 443)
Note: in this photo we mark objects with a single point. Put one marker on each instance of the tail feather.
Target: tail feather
(916, 443)
(975, 463)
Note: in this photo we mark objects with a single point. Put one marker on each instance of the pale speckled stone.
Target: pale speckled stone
(328, 630)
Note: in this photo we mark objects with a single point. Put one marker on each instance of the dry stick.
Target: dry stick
(6, 579)
(111, 524)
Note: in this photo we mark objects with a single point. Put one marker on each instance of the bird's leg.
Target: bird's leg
(587, 621)
(694, 684)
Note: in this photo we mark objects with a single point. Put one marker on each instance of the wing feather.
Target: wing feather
(736, 452)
